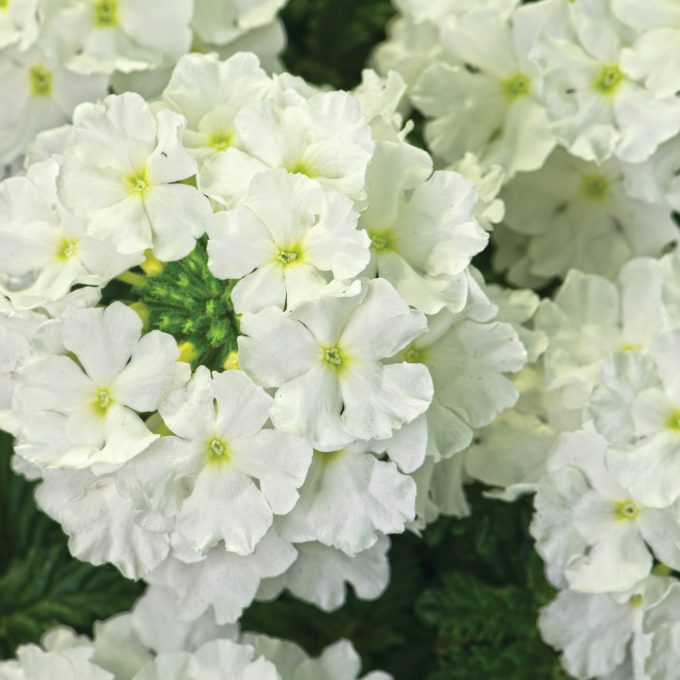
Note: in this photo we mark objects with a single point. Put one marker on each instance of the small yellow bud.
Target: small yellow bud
(143, 312)
(661, 570)
(187, 352)
(231, 362)
(151, 266)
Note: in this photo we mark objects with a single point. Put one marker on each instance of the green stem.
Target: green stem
(135, 280)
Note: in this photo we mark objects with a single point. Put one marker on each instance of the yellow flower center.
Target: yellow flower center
(221, 141)
(102, 401)
(328, 457)
(138, 181)
(626, 510)
(382, 240)
(41, 81)
(516, 86)
(673, 422)
(636, 601)
(105, 13)
(301, 168)
(595, 187)
(630, 347)
(66, 249)
(4, 4)
(415, 355)
(218, 451)
(608, 80)
(292, 255)
(334, 358)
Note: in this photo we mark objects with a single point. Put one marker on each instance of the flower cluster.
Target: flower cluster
(573, 101)
(149, 643)
(56, 55)
(247, 341)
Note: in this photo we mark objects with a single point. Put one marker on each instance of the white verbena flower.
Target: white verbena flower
(83, 410)
(285, 242)
(132, 162)
(326, 359)
(228, 476)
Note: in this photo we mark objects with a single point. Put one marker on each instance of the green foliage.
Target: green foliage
(41, 585)
(462, 604)
(329, 41)
(188, 302)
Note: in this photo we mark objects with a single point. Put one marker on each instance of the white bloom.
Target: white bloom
(45, 250)
(489, 209)
(285, 241)
(39, 93)
(320, 575)
(662, 624)
(101, 525)
(349, 498)
(325, 137)
(117, 647)
(467, 361)
(83, 414)
(16, 332)
(380, 99)
(18, 23)
(209, 94)
(220, 23)
(131, 162)
(592, 530)
(589, 319)
(221, 581)
(598, 634)
(215, 660)
(155, 623)
(654, 56)
(228, 476)
(327, 360)
(122, 35)
(422, 231)
(337, 662)
(638, 409)
(70, 664)
(579, 215)
(486, 97)
(595, 96)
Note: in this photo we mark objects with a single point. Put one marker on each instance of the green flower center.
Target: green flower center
(608, 80)
(636, 601)
(41, 81)
(673, 422)
(4, 4)
(595, 187)
(334, 357)
(187, 301)
(516, 86)
(328, 457)
(414, 355)
(289, 255)
(382, 240)
(218, 451)
(105, 13)
(221, 141)
(67, 249)
(138, 181)
(626, 510)
(102, 401)
(301, 168)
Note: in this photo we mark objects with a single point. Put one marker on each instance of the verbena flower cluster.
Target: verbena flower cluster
(308, 351)
(575, 105)
(149, 644)
(244, 343)
(56, 54)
